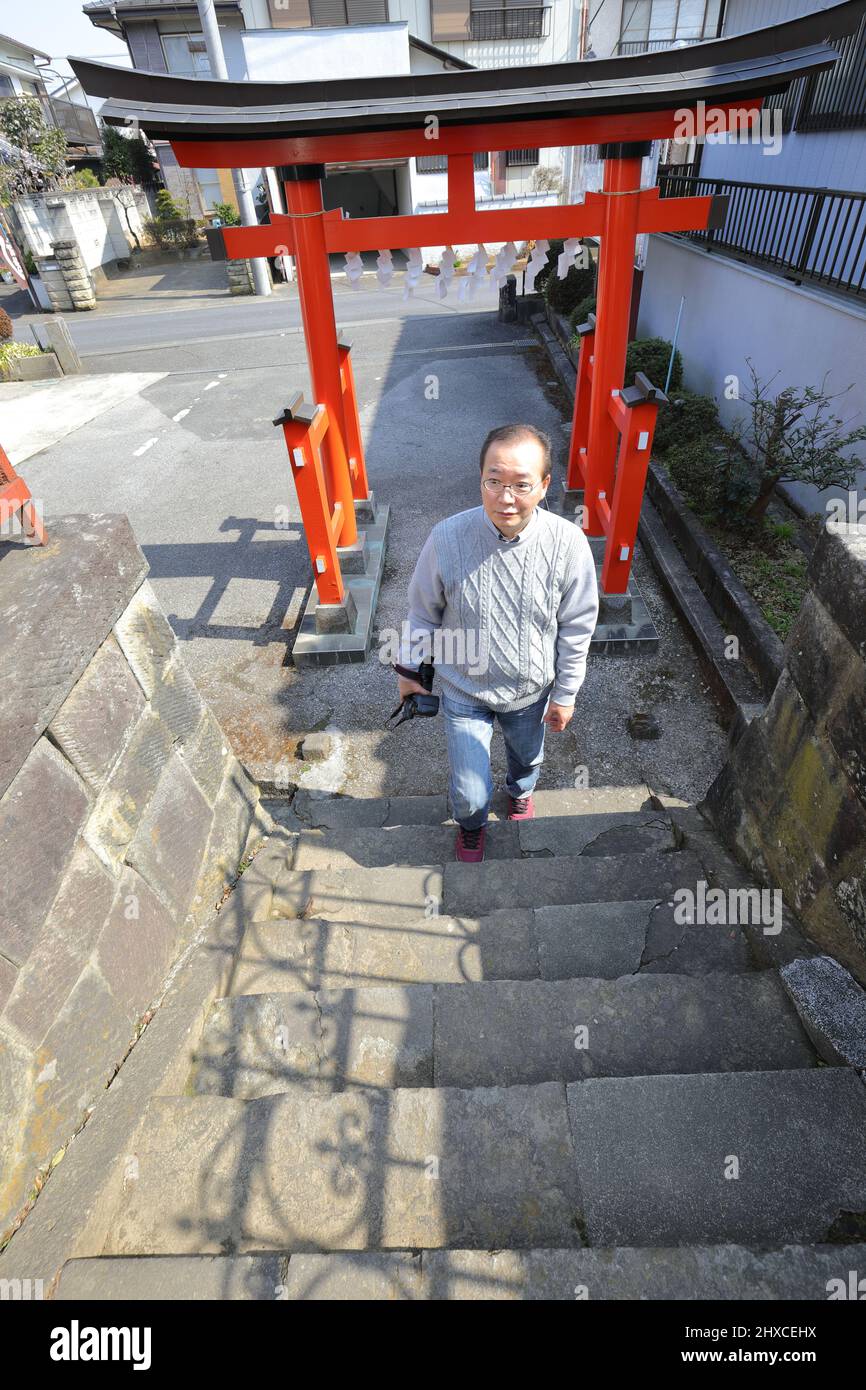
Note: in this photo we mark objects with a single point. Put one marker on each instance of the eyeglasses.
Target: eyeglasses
(518, 489)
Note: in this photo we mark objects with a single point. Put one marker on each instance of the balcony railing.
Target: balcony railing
(812, 236)
(626, 47)
(515, 22)
(77, 121)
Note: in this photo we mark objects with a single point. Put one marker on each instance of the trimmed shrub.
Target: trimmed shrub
(687, 416)
(651, 356)
(5, 326)
(565, 295)
(554, 251)
(581, 312)
(172, 234)
(713, 475)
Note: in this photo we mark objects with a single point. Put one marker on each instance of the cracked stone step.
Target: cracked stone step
(757, 1158)
(711, 1272)
(600, 940)
(644, 1161)
(375, 847)
(395, 896)
(334, 812)
(403, 1169)
(497, 1033)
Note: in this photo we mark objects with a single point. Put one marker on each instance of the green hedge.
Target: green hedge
(554, 251)
(687, 416)
(651, 356)
(581, 312)
(565, 295)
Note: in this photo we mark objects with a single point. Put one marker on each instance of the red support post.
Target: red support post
(622, 171)
(354, 442)
(15, 498)
(306, 429)
(636, 422)
(580, 420)
(303, 188)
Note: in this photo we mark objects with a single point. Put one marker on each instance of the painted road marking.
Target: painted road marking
(148, 444)
(212, 384)
(180, 415)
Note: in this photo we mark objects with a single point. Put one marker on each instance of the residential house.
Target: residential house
(784, 281)
(323, 39)
(26, 71)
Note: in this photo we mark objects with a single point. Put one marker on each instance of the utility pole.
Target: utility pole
(216, 58)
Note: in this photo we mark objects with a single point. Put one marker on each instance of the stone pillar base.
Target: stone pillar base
(337, 617)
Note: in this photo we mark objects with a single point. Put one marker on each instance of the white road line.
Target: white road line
(211, 385)
(148, 443)
(180, 415)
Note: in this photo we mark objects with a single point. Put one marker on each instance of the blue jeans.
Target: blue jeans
(468, 730)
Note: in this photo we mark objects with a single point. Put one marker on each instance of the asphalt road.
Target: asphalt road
(113, 329)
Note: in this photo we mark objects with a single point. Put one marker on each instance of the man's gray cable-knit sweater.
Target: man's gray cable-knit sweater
(502, 619)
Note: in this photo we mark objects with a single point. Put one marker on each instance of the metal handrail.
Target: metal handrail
(813, 236)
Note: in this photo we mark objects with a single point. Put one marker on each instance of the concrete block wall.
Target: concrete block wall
(240, 277)
(123, 812)
(791, 798)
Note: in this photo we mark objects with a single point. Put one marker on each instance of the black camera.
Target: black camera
(416, 704)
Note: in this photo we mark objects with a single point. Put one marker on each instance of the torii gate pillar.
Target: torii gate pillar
(622, 172)
(303, 188)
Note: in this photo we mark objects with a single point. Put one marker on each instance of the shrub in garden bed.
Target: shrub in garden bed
(5, 326)
(9, 351)
(651, 356)
(687, 416)
(579, 315)
(554, 251)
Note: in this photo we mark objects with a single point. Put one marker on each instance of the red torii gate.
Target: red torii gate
(612, 493)
(621, 104)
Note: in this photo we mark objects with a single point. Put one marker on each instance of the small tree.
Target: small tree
(795, 437)
(39, 149)
(229, 215)
(116, 155)
(167, 209)
(545, 180)
(126, 158)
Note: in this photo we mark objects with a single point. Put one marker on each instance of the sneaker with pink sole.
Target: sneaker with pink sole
(469, 845)
(521, 807)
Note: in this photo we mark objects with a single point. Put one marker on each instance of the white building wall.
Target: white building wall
(733, 311)
(313, 55)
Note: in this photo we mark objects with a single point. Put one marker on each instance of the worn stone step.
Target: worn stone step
(395, 896)
(601, 940)
(475, 888)
(403, 1169)
(324, 811)
(757, 1158)
(497, 1033)
(375, 847)
(643, 1161)
(705, 1272)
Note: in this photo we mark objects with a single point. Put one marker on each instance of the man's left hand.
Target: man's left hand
(558, 716)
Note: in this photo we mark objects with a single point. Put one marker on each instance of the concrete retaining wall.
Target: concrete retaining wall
(123, 817)
(791, 799)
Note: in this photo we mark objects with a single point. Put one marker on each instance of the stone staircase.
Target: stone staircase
(519, 1079)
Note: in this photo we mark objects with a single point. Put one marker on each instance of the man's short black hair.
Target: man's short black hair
(512, 434)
